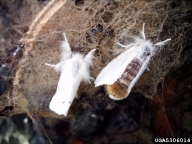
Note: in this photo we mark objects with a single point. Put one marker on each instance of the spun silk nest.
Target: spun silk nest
(91, 24)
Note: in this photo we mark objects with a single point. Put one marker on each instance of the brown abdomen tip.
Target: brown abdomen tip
(117, 91)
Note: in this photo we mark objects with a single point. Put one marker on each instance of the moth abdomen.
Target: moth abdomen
(118, 90)
(130, 72)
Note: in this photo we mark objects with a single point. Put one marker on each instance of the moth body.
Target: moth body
(121, 74)
(74, 68)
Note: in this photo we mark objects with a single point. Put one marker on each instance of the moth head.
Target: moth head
(144, 52)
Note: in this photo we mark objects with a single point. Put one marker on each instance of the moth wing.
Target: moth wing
(116, 67)
(87, 62)
(66, 90)
(55, 105)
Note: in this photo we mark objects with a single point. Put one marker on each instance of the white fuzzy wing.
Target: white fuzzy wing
(116, 67)
(87, 62)
(66, 90)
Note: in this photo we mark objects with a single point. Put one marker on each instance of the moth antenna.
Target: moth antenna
(143, 31)
(162, 42)
(65, 37)
(65, 49)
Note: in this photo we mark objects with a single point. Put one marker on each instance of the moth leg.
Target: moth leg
(56, 67)
(92, 78)
(50, 65)
(162, 42)
(121, 44)
(143, 31)
(126, 46)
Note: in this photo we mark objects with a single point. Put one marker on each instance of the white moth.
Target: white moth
(121, 74)
(74, 68)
